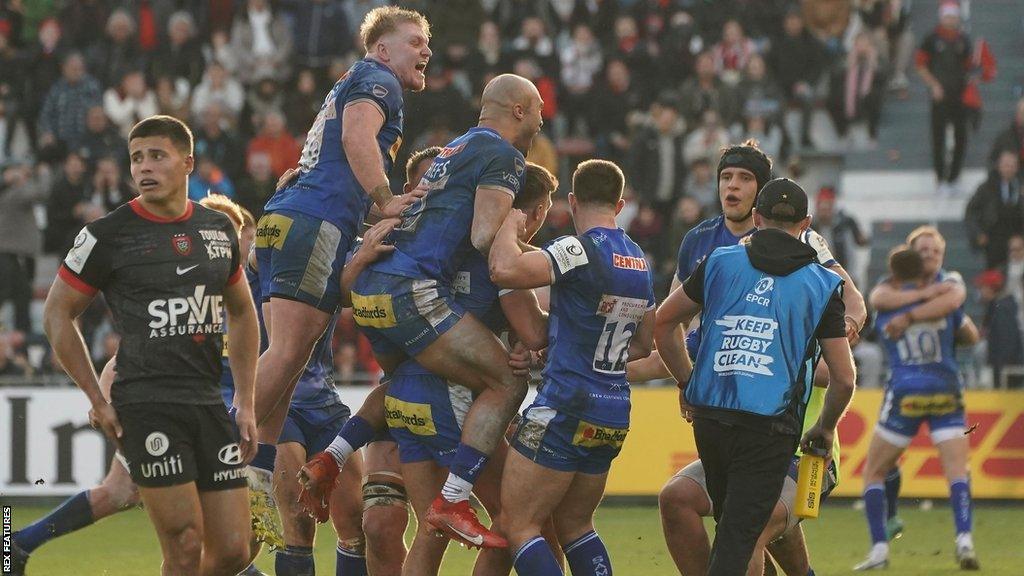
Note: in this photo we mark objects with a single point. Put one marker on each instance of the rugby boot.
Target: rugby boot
(967, 558)
(878, 558)
(459, 522)
(893, 528)
(318, 478)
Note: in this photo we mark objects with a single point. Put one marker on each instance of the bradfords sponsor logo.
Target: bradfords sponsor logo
(629, 262)
(744, 343)
(169, 466)
(919, 405)
(591, 435)
(196, 314)
(415, 417)
(375, 310)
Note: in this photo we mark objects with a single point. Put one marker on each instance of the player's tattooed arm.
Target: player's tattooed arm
(510, 267)
(528, 321)
(242, 356)
(64, 305)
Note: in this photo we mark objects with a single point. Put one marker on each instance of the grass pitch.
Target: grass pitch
(126, 546)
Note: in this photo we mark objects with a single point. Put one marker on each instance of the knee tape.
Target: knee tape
(355, 545)
(377, 493)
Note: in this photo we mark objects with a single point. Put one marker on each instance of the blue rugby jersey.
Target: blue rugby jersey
(326, 187)
(435, 230)
(924, 357)
(602, 291)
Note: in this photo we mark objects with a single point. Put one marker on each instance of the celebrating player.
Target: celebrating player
(924, 385)
(309, 226)
(405, 301)
(184, 451)
(426, 415)
(602, 316)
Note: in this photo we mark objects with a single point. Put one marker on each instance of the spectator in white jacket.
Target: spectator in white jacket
(130, 101)
(218, 86)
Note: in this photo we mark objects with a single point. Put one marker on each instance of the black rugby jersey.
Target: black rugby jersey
(164, 281)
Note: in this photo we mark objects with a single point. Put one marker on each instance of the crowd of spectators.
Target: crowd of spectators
(655, 85)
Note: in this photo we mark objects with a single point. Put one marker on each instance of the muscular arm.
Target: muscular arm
(361, 121)
(63, 306)
(642, 342)
(107, 377)
(852, 298)
(885, 297)
(940, 306)
(842, 380)
(490, 208)
(678, 309)
(509, 266)
(245, 342)
(526, 318)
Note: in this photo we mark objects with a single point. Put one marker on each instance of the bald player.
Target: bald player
(405, 302)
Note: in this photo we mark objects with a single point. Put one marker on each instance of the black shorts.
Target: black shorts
(172, 444)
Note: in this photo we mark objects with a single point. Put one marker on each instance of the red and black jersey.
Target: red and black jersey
(164, 281)
(947, 55)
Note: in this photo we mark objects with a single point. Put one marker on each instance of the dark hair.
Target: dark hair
(538, 185)
(598, 182)
(748, 156)
(162, 125)
(417, 157)
(905, 264)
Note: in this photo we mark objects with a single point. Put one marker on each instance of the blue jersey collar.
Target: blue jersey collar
(382, 66)
(490, 131)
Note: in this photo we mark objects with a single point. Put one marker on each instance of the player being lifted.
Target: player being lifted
(168, 268)
(602, 316)
(925, 385)
(405, 302)
(309, 226)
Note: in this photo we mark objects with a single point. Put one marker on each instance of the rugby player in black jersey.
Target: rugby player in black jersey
(168, 268)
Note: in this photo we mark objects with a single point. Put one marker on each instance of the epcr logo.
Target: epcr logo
(230, 454)
(764, 285)
(157, 444)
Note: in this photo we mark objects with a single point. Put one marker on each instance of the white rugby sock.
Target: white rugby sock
(456, 489)
(340, 449)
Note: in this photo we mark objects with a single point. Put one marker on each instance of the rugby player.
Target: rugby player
(405, 302)
(426, 415)
(168, 268)
(924, 385)
(309, 226)
(602, 316)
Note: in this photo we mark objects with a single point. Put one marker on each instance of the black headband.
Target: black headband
(748, 158)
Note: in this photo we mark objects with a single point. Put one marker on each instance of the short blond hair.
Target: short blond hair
(383, 20)
(926, 230)
(228, 207)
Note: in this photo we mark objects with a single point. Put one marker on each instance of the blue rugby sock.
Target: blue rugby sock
(349, 563)
(893, 481)
(587, 555)
(72, 514)
(874, 509)
(265, 456)
(467, 464)
(295, 561)
(960, 502)
(355, 434)
(535, 559)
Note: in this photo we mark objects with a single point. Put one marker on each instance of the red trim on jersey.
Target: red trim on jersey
(139, 209)
(75, 282)
(235, 277)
